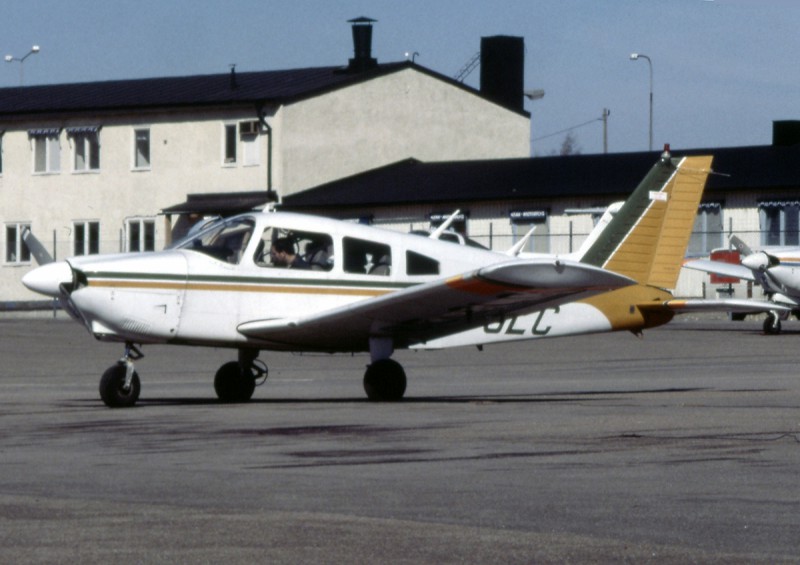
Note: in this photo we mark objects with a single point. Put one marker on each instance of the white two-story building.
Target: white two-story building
(90, 167)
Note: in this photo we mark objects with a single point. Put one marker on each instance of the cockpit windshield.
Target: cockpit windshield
(224, 240)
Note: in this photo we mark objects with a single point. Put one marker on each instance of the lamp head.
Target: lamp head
(634, 56)
(35, 49)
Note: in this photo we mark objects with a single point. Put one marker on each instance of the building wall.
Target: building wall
(378, 122)
(344, 132)
(185, 156)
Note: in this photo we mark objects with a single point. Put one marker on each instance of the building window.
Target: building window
(230, 144)
(46, 150)
(141, 234)
(86, 148)
(708, 232)
(16, 250)
(780, 222)
(141, 152)
(86, 238)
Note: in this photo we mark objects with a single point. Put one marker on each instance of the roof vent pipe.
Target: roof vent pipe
(362, 45)
(785, 133)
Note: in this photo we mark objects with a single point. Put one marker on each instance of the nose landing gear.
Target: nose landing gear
(119, 385)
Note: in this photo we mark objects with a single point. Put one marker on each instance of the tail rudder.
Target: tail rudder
(647, 238)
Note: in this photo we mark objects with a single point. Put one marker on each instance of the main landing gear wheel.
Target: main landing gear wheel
(772, 325)
(385, 380)
(232, 384)
(113, 388)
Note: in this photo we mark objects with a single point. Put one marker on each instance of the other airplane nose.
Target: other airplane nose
(760, 261)
(48, 278)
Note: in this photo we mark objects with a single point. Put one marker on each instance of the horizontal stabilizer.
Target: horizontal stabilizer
(734, 305)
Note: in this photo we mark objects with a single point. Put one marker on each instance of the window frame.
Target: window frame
(90, 237)
(136, 165)
(21, 254)
(46, 152)
(85, 143)
(144, 241)
(780, 214)
(705, 238)
(230, 144)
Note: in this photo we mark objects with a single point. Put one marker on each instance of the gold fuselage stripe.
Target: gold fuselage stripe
(238, 287)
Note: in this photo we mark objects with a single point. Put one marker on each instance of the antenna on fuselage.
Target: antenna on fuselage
(446, 224)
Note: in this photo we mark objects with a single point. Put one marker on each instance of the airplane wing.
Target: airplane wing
(440, 307)
(721, 268)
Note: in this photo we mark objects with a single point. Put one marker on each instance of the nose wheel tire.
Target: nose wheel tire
(113, 390)
(385, 380)
(232, 384)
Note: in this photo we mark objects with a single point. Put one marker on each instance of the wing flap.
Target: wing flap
(440, 307)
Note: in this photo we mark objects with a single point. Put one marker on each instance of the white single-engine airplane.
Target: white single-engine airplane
(775, 268)
(290, 282)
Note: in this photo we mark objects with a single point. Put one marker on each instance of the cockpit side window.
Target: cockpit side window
(367, 257)
(292, 249)
(224, 241)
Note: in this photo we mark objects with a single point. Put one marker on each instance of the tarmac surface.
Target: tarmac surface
(682, 447)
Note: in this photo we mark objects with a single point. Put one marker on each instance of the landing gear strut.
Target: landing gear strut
(772, 325)
(119, 385)
(236, 381)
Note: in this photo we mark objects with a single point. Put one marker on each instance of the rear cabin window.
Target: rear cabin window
(417, 264)
(366, 257)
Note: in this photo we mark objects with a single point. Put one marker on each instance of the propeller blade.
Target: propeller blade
(36, 248)
(743, 248)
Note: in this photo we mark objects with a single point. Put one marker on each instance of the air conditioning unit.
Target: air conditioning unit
(248, 128)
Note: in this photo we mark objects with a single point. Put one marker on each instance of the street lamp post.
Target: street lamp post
(21, 60)
(534, 94)
(634, 57)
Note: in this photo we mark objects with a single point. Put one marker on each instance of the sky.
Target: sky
(723, 70)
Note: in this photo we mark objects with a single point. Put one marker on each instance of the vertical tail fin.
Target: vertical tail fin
(647, 238)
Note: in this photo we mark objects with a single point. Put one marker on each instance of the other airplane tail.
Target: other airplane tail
(647, 238)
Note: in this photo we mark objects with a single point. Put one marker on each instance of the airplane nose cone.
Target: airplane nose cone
(48, 278)
(757, 261)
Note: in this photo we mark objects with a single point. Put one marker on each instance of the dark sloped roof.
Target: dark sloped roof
(268, 86)
(616, 174)
(222, 203)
